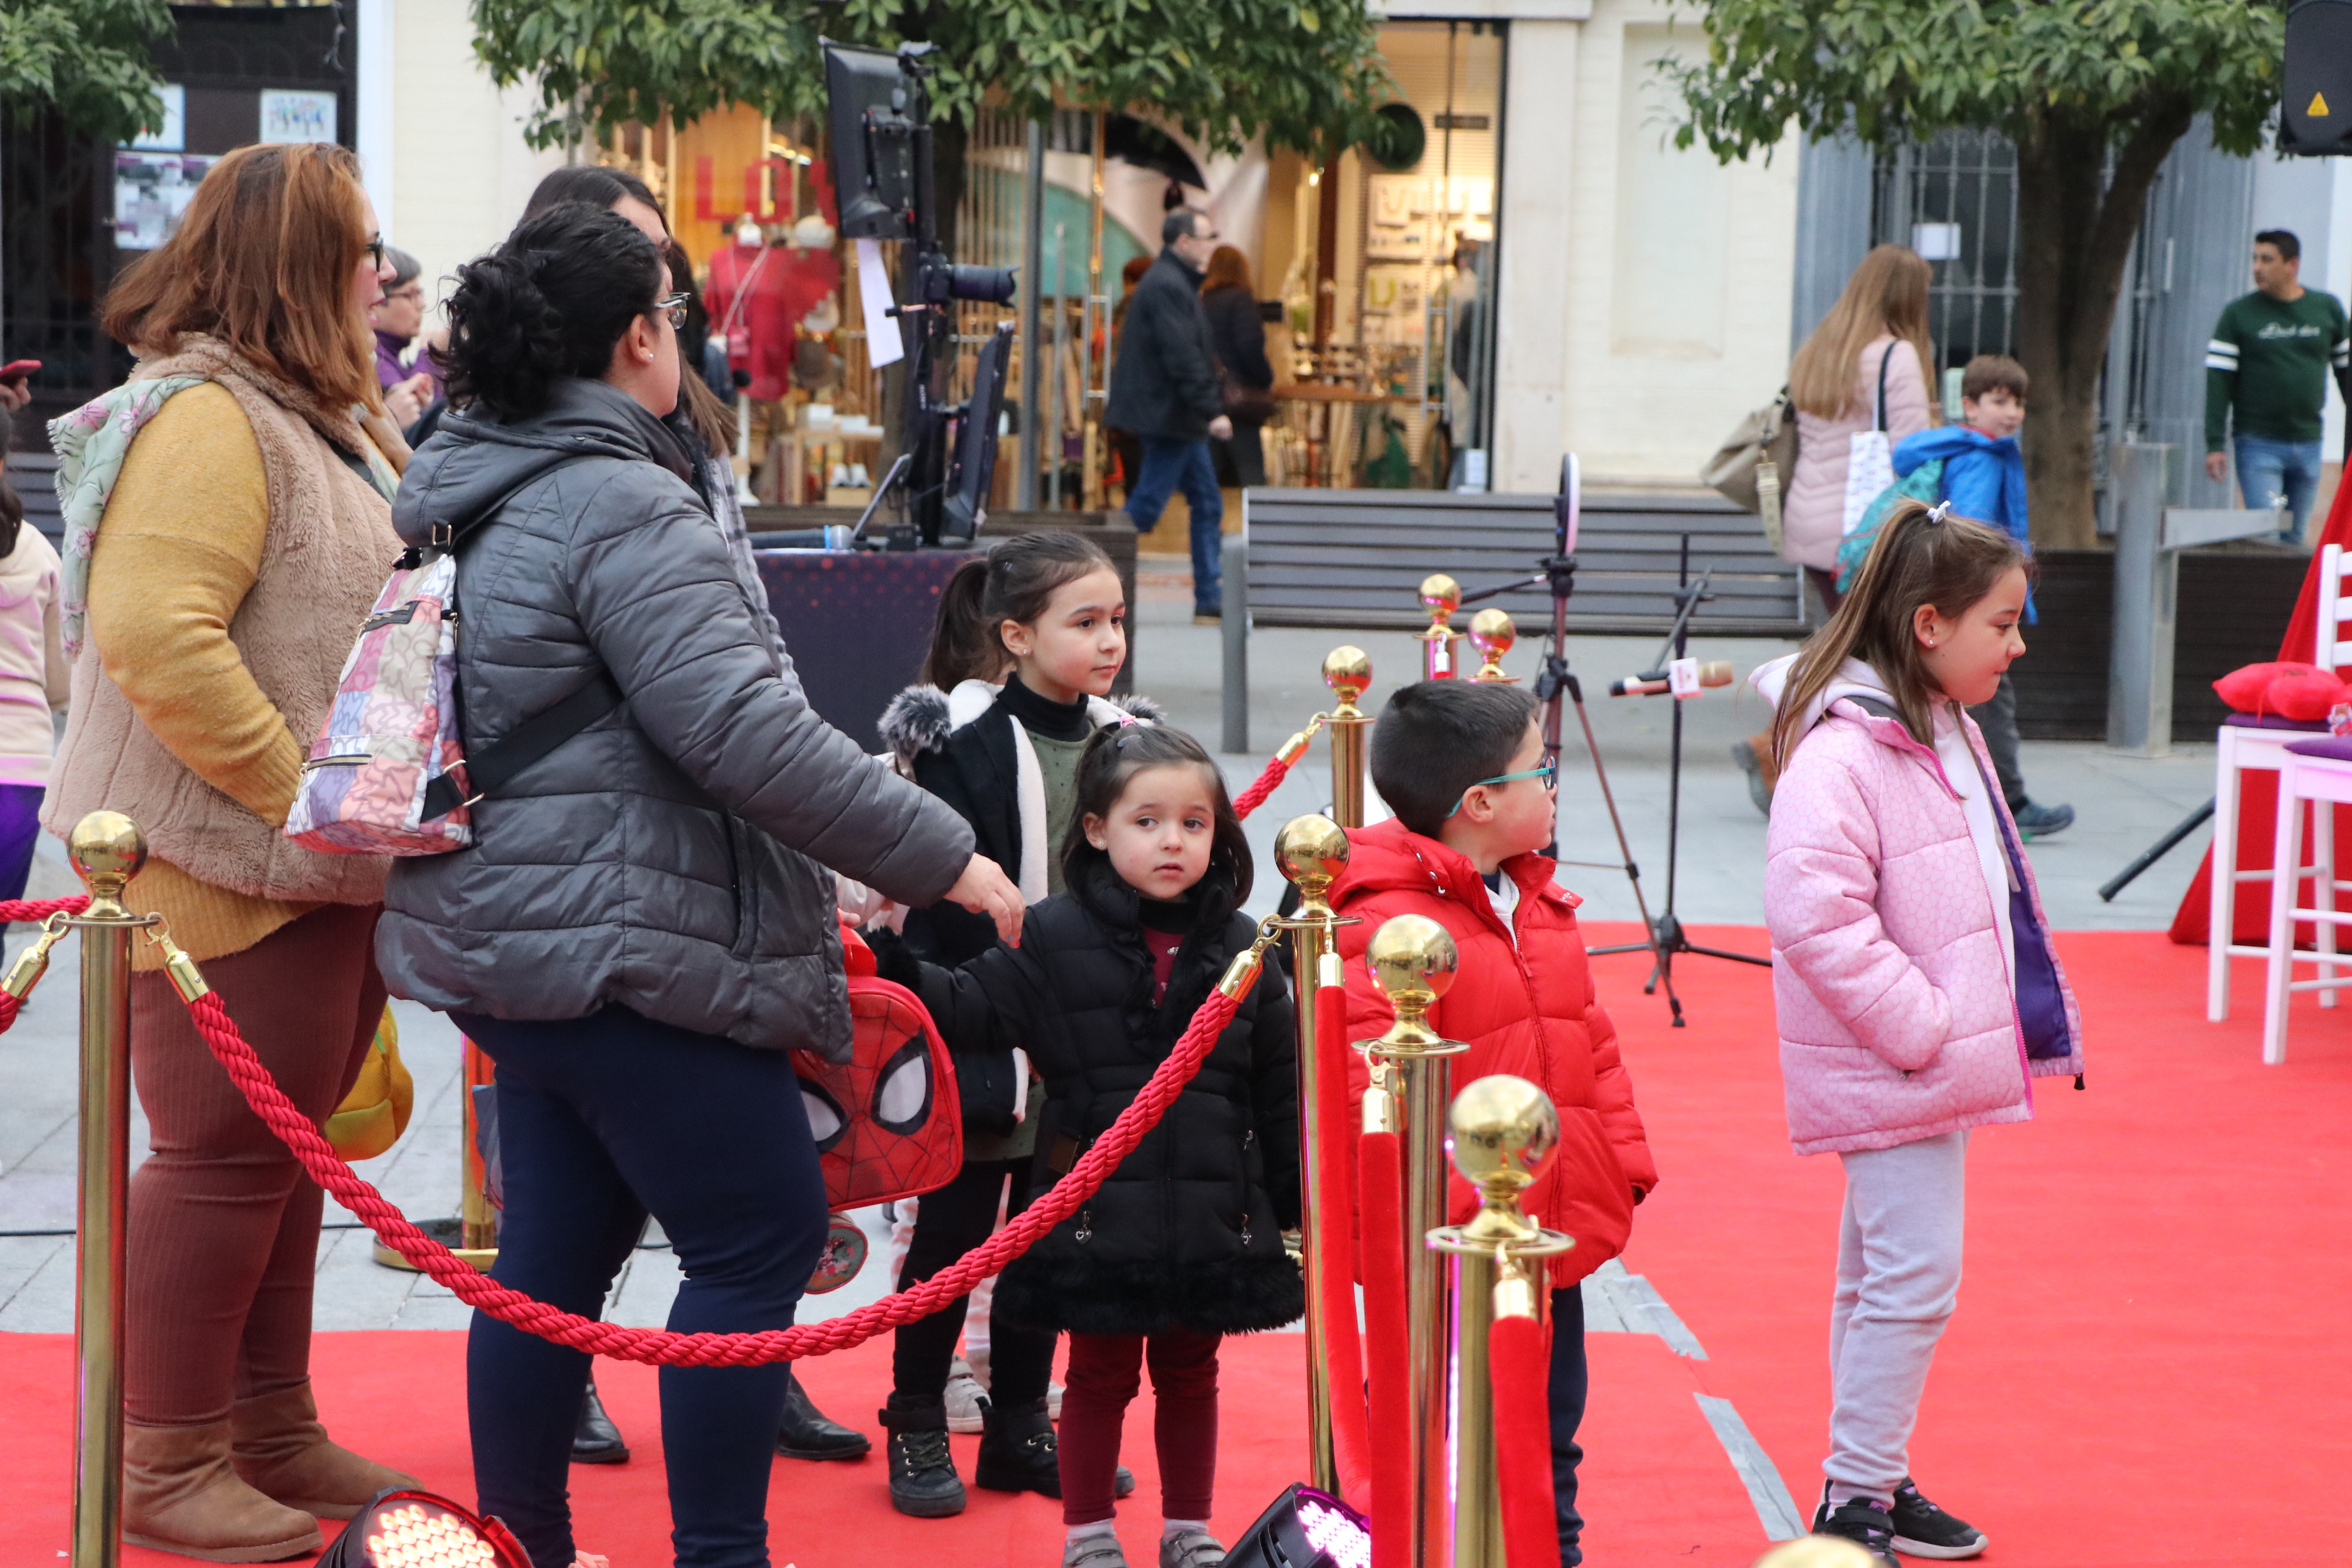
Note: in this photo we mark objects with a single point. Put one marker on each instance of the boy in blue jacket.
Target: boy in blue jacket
(1984, 477)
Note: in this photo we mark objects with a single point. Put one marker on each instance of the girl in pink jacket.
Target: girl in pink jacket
(1917, 990)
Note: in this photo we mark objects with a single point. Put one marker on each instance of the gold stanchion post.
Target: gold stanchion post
(1492, 634)
(1312, 851)
(1413, 960)
(1441, 596)
(1504, 1129)
(1348, 671)
(108, 850)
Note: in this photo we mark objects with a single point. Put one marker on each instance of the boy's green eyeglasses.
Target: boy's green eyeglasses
(1548, 773)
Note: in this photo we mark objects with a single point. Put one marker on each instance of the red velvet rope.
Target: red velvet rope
(662, 1347)
(1250, 799)
(1351, 1424)
(1387, 1339)
(1519, 1364)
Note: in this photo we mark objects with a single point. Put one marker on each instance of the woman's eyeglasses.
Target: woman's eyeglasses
(674, 307)
(376, 251)
(1548, 773)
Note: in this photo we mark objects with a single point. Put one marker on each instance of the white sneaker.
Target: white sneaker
(966, 1402)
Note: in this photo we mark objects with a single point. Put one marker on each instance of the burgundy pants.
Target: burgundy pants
(224, 1226)
(1103, 1373)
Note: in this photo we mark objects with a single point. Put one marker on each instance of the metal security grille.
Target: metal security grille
(1954, 199)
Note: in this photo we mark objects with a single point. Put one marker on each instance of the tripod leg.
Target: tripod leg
(1609, 799)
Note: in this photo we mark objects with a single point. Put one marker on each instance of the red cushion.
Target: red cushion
(2291, 690)
(2306, 696)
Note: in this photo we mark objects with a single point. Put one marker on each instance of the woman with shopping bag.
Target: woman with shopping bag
(1859, 385)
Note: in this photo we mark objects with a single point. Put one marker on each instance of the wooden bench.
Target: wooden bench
(1355, 559)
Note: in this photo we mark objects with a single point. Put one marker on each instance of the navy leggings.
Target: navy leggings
(600, 1120)
(1567, 1399)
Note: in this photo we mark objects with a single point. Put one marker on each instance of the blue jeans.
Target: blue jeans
(600, 1119)
(20, 829)
(1171, 465)
(2268, 468)
(1567, 1399)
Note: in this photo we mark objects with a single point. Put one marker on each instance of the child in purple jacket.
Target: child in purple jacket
(1917, 989)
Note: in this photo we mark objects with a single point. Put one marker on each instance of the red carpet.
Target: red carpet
(2149, 1363)
(2149, 1366)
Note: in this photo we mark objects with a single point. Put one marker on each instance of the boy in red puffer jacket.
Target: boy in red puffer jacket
(1462, 764)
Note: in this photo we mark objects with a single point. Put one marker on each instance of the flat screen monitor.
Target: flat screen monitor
(974, 469)
(872, 136)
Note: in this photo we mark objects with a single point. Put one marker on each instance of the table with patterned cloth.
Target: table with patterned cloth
(857, 624)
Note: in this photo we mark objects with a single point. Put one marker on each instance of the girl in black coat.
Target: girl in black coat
(1184, 1243)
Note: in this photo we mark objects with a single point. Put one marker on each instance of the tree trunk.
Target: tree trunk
(2073, 239)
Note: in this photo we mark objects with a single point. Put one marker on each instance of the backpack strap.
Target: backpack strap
(1878, 414)
(1879, 707)
(495, 766)
(492, 768)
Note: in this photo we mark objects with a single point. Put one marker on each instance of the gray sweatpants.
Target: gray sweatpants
(1899, 1276)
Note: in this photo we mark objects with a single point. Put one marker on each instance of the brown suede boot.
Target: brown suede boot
(179, 1494)
(282, 1452)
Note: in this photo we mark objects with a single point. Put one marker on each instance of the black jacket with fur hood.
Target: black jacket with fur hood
(1187, 1231)
(965, 747)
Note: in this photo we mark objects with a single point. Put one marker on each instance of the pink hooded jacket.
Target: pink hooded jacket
(1899, 1018)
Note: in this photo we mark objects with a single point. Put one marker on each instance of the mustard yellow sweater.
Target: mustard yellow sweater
(180, 550)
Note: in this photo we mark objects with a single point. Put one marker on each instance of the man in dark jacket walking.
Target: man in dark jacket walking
(1163, 387)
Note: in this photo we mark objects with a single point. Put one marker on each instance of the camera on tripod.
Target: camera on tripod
(878, 115)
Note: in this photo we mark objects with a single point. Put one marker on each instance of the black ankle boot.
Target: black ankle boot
(805, 1432)
(923, 1481)
(597, 1441)
(1017, 1451)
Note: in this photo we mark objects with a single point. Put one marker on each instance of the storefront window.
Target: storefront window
(1394, 253)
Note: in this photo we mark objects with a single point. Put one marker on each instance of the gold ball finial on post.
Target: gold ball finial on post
(107, 850)
(1312, 851)
(1503, 1130)
(1492, 634)
(1414, 960)
(1348, 671)
(1441, 596)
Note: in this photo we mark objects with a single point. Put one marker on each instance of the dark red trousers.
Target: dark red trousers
(1103, 1373)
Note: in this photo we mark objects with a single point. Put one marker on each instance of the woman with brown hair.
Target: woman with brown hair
(1880, 322)
(216, 573)
(1238, 333)
(1864, 367)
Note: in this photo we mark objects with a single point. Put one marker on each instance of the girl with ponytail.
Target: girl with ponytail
(1917, 989)
(1028, 640)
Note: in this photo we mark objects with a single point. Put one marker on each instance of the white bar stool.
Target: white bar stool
(2247, 742)
(2317, 768)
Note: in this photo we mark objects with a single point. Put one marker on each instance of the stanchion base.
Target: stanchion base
(447, 1233)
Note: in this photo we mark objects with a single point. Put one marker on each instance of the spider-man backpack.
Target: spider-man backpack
(887, 1121)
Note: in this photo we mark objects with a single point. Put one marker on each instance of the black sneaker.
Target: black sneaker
(1017, 1452)
(1923, 1529)
(2041, 821)
(1865, 1522)
(923, 1481)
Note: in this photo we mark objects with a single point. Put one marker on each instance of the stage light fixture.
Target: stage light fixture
(401, 1528)
(1304, 1529)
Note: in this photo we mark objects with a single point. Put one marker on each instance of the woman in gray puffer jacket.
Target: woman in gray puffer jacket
(644, 926)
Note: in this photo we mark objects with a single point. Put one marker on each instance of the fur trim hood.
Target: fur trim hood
(922, 717)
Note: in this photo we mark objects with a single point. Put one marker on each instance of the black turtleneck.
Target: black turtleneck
(1043, 715)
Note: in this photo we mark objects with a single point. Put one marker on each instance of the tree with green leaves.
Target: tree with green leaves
(1299, 73)
(2093, 93)
(90, 60)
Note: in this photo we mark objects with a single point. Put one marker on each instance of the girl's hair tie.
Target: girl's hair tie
(1939, 513)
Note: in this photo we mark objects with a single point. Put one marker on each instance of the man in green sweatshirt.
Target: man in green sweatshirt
(2266, 374)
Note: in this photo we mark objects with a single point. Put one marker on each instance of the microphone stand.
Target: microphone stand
(1667, 937)
(1559, 577)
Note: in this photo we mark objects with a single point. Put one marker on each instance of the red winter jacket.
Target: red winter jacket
(1526, 1008)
